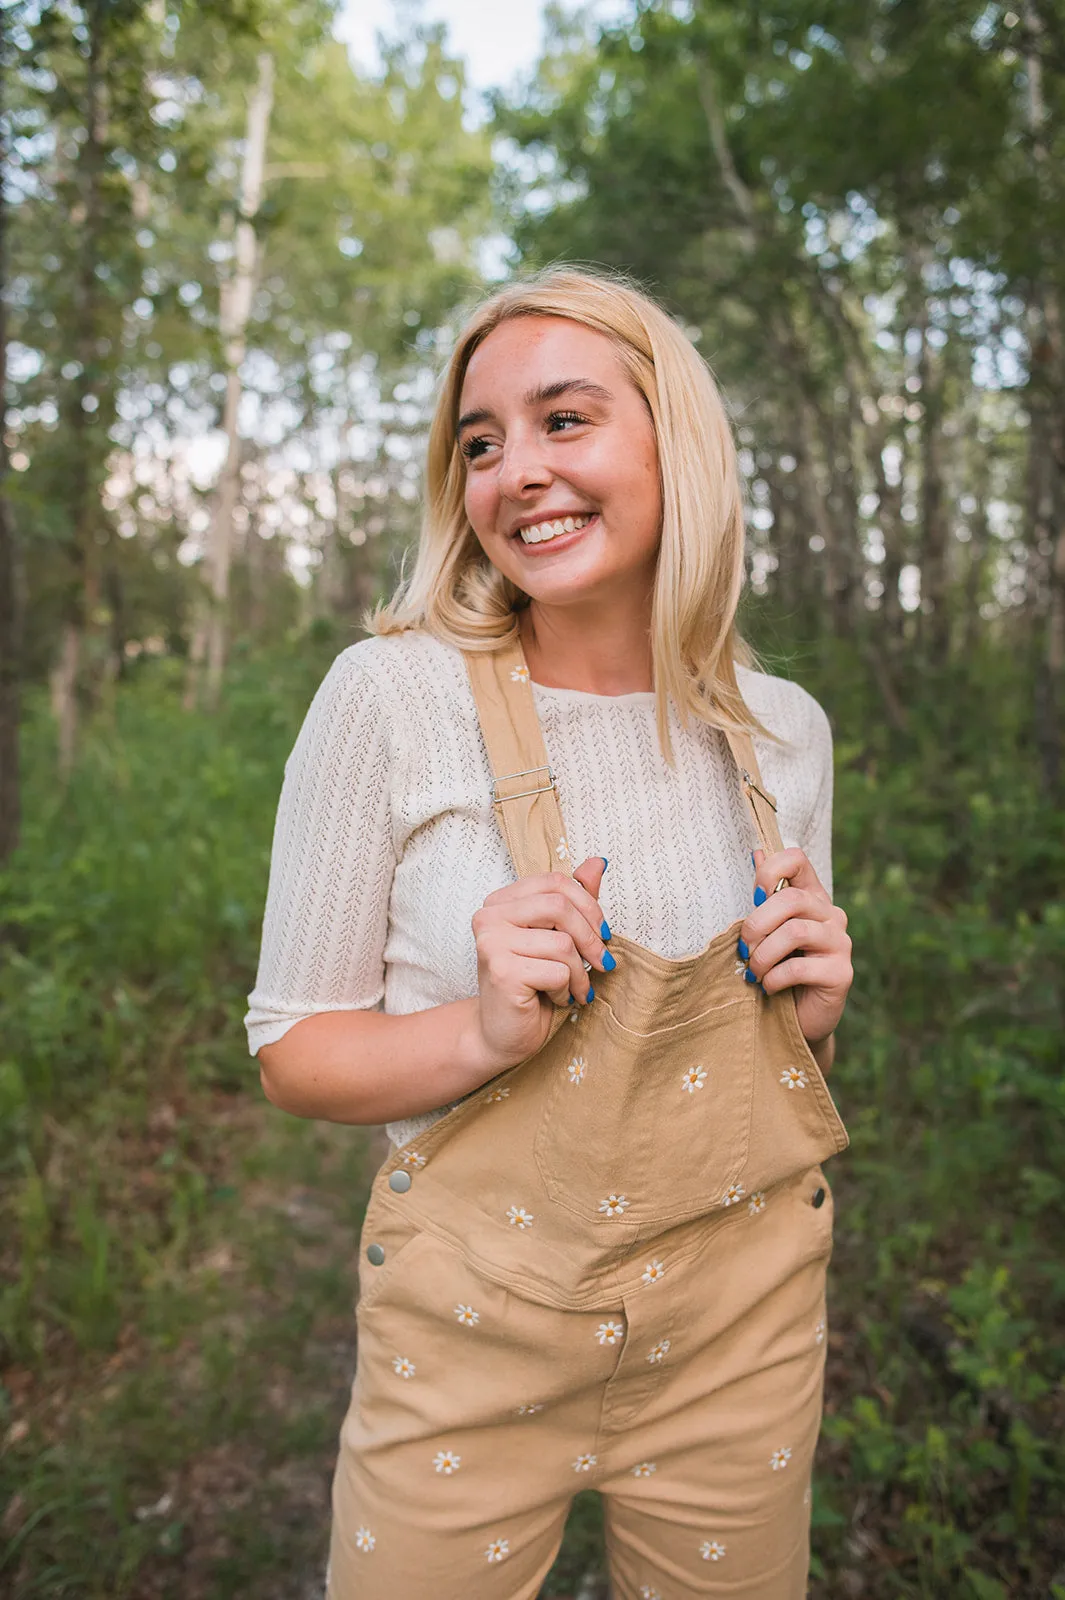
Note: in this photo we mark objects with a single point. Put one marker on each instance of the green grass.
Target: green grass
(177, 1258)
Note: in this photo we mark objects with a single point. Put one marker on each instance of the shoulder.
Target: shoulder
(403, 665)
(785, 708)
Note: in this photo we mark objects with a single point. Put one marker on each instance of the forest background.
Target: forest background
(232, 261)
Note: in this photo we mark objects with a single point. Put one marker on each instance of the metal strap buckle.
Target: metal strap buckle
(497, 799)
(750, 783)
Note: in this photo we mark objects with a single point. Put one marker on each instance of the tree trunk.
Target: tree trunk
(210, 645)
(10, 630)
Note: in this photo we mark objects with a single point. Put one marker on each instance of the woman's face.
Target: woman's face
(559, 446)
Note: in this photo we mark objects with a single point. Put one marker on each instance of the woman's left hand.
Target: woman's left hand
(797, 939)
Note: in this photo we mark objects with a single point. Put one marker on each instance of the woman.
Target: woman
(595, 1255)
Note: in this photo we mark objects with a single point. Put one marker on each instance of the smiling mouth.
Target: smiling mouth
(546, 532)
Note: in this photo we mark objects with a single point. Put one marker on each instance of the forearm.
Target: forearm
(367, 1067)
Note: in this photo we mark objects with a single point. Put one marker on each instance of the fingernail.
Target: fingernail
(569, 997)
(608, 961)
(605, 862)
(760, 896)
(749, 976)
(591, 995)
(762, 988)
(604, 930)
(742, 950)
(753, 861)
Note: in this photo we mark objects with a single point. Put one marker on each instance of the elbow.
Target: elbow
(275, 1085)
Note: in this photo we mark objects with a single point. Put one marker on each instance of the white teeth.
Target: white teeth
(542, 531)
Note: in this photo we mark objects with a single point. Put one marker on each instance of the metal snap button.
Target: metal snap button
(818, 1199)
(375, 1255)
(399, 1181)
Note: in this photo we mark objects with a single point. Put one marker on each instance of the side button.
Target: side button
(399, 1182)
(375, 1255)
(818, 1199)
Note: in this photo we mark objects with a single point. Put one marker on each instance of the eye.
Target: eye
(564, 418)
(472, 448)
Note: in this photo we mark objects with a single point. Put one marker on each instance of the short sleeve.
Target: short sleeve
(332, 861)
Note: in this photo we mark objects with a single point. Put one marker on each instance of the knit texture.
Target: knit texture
(385, 842)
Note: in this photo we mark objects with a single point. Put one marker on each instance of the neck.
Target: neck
(565, 651)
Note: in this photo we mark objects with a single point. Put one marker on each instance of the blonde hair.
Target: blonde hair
(455, 593)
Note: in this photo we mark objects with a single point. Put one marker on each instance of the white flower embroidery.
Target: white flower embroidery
(364, 1539)
(647, 1593)
(653, 1271)
(574, 1015)
(527, 1410)
(740, 968)
(712, 1550)
(610, 1332)
(658, 1351)
(780, 1458)
(467, 1316)
(576, 1070)
(403, 1367)
(756, 1204)
(693, 1079)
(733, 1193)
(519, 674)
(498, 1549)
(411, 1158)
(584, 1463)
(819, 1332)
(496, 1094)
(447, 1462)
(614, 1205)
(518, 1217)
(793, 1077)
(644, 1470)
(562, 848)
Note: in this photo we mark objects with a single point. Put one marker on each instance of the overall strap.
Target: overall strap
(523, 789)
(763, 806)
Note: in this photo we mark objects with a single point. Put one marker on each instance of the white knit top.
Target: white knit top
(386, 844)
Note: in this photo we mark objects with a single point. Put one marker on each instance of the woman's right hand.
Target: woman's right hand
(533, 937)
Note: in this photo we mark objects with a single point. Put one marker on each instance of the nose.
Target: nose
(523, 469)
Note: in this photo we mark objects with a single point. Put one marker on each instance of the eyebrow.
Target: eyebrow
(540, 395)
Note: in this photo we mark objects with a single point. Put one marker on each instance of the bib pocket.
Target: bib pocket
(653, 1126)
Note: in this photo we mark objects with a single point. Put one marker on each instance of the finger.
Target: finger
(549, 908)
(796, 935)
(783, 907)
(575, 888)
(546, 950)
(807, 972)
(794, 865)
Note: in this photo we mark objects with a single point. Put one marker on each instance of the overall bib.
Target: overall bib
(603, 1269)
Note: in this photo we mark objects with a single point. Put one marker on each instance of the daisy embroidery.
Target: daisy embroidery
(518, 1217)
(780, 1458)
(364, 1539)
(819, 1332)
(576, 1070)
(733, 1193)
(496, 1094)
(498, 1549)
(411, 1158)
(447, 1461)
(614, 1205)
(653, 1271)
(756, 1204)
(529, 1410)
(658, 1351)
(402, 1367)
(584, 1463)
(647, 1593)
(644, 1470)
(740, 968)
(712, 1550)
(519, 674)
(693, 1079)
(562, 848)
(467, 1316)
(609, 1332)
(793, 1078)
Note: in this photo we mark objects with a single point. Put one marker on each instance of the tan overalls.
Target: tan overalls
(604, 1269)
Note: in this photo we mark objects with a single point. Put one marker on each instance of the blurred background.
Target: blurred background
(237, 237)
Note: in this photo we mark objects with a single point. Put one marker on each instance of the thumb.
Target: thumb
(590, 874)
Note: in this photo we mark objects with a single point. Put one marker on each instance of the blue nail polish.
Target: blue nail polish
(742, 950)
(760, 896)
(762, 990)
(608, 961)
(591, 995)
(569, 997)
(754, 863)
(604, 930)
(749, 976)
(605, 862)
